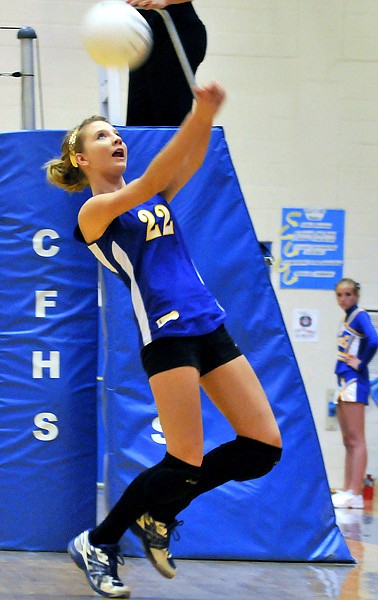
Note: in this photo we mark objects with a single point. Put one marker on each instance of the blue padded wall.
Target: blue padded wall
(48, 368)
(48, 354)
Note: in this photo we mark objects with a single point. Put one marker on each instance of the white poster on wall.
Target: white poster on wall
(305, 325)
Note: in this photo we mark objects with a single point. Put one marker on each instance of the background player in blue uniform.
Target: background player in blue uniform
(357, 343)
(131, 228)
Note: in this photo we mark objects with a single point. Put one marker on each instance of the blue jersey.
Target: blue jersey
(357, 337)
(145, 248)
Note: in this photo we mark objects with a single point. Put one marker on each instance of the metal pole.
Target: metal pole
(110, 95)
(27, 35)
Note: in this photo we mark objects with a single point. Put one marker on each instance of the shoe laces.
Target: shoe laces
(114, 557)
(172, 530)
(160, 534)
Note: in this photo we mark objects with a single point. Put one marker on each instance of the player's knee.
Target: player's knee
(256, 458)
(172, 479)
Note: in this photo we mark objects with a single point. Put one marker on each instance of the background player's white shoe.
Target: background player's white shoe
(347, 499)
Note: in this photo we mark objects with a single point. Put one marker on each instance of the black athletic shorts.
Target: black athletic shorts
(204, 352)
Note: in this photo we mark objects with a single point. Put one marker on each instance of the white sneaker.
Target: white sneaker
(99, 564)
(347, 499)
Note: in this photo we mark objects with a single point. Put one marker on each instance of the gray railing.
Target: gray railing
(26, 35)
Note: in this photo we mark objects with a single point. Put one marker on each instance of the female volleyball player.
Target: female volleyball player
(131, 228)
(357, 344)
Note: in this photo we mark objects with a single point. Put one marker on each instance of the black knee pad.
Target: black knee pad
(171, 479)
(239, 460)
(252, 459)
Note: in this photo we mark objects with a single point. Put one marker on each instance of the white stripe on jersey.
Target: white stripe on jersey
(136, 298)
(101, 257)
(354, 343)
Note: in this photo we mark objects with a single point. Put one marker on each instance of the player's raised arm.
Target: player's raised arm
(185, 153)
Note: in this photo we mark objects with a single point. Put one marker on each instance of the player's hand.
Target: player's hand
(149, 4)
(353, 362)
(209, 98)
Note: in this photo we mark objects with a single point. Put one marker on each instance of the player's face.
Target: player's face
(346, 296)
(103, 148)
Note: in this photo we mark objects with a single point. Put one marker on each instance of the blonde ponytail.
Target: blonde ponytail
(64, 172)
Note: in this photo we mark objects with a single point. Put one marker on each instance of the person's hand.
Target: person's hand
(209, 98)
(149, 4)
(353, 362)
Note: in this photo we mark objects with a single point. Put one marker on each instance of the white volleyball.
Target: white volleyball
(115, 34)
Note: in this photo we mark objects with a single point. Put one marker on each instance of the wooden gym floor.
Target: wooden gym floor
(53, 576)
